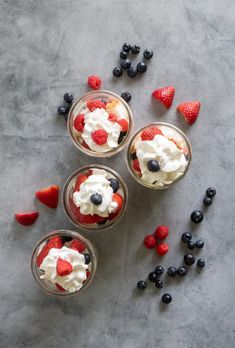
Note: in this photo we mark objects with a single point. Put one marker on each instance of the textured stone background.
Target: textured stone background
(50, 47)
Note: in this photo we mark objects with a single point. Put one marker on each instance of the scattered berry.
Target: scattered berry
(159, 270)
(207, 201)
(126, 47)
(85, 145)
(126, 96)
(125, 64)
(136, 165)
(172, 271)
(132, 72)
(148, 53)
(87, 259)
(62, 110)
(161, 232)
(124, 124)
(79, 122)
(117, 72)
(59, 287)
(189, 111)
(201, 263)
(149, 133)
(94, 82)
(182, 271)
(80, 179)
(77, 245)
(189, 259)
(141, 67)
(49, 196)
(68, 98)
(123, 55)
(186, 237)
(165, 95)
(197, 216)
(63, 267)
(100, 136)
(211, 192)
(114, 183)
(166, 298)
(162, 249)
(153, 166)
(27, 219)
(150, 241)
(95, 104)
(135, 49)
(141, 285)
(199, 244)
(96, 199)
(55, 242)
(191, 245)
(159, 283)
(153, 276)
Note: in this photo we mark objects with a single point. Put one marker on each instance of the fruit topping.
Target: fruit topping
(96, 198)
(95, 104)
(81, 178)
(87, 259)
(124, 124)
(153, 166)
(114, 183)
(149, 133)
(77, 245)
(59, 287)
(136, 165)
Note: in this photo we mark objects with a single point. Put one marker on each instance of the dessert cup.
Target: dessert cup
(83, 186)
(159, 155)
(100, 123)
(66, 245)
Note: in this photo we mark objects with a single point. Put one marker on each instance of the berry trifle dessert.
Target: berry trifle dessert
(159, 155)
(95, 197)
(64, 262)
(100, 123)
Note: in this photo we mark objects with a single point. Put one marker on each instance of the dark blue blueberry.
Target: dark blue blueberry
(201, 263)
(66, 239)
(135, 49)
(182, 271)
(153, 276)
(141, 67)
(191, 245)
(126, 96)
(125, 64)
(197, 216)
(96, 198)
(199, 244)
(132, 72)
(148, 53)
(186, 237)
(117, 72)
(159, 284)
(123, 55)
(159, 270)
(211, 192)
(153, 166)
(87, 259)
(207, 201)
(114, 183)
(141, 285)
(126, 47)
(166, 298)
(68, 98)
(133, 156)
(172, 271)
(189, 259)
(62, 110)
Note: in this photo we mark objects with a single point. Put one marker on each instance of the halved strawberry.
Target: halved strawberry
(49, 196)
(189, 111)
(95, 104)
(80, 179)
(55, 242)
(84, 219)
(119, 200)
(88, 274)
(165, 95)
(41, 256)
(59, 287)
(63, 267)
(84, 144)
(77, 245)
(136, 165)
(79, 123)
(27, 218)
(124, 124)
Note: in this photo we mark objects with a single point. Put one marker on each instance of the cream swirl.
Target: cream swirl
(98, 119)
(171, 160)
(72, 282)
(95, 183)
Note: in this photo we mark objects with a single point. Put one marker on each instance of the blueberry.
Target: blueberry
(141, 67)
(201, 263)
(96, 198)
(182, 271)
(166, 298)
(207, 201)
(117, 72)
(172, 271)
(133, 156)
(199, 244)
(197, 216)
(66, 239)
(153, 276)
(153, 166)
(135, 49)
(211, 192)
(159, 270)
(148, 53)
(126, 47)
(87, 259)
(68, 98)
(114, 183)
(126, 96)
(159, 284)
(132, 72)
(62, 110)
(123, 55)
(102, 222)
(141, 285)
(186, 237)
(191, 245)
(125, 64)
(189, 259)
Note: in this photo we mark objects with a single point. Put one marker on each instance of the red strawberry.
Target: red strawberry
(161, 232)
(84, 219)
(41, 256)
(150, 241)
(94, 82)
(63, 267)
(136, 165)
(77, 245)
(28, 218)
(59, 287)
(79, 123)
(119, 200)
(80, 179)
(124, 124)
(99, 136)
(88, 274)
(165, 95)
(55, 242)
(95, 104)
(162, 249)
(190, 111)
(149, 133)
(49, 196)
(84, 144)
(112, 118)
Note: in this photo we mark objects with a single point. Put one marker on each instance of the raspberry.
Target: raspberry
(88, 274)
(124, 124)
(95, 104)
(112, 118)
(80, 179)
(150, 241)
(99, 136)
(162, 249)
(79, 123)
(59, 287)
(94, 82)
(84, 219)
(136, 165)
(63, 267)
(149, 133)
(161, 232)
(77, 245)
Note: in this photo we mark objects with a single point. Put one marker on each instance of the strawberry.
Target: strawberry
(77, 245)
(84, 144)
(49, 196)
(136, 165)
(189, 111)
(79, 123)
(165, 95)
(124, 124)
(95, 104)
(63, 267)
(84, 219)
(119, 200)
(162, 249)
(99, 136)
(94, 82)
(112, 118)
(149, 133)
(55, 242)
(80, 179)
(27, 218)
(161, 232)
(41, 256)
(59, 287)
(150, 241)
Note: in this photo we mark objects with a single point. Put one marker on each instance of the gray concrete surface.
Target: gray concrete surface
(50, 47)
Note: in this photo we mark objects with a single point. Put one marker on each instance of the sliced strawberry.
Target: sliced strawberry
(189, 111)
(112, 118)
(84, 219)
(55, 242)
(119, 200)
(63, 267)
(79, 123)
(41, 256)
(59, 287)
(165, 95)
(49, 196)
(27, 218)
(84, 144)
(95, 104)
(124, 124)
(77, 245)
(149, 133)
(88, 274)
(136, 165)
(80, 179)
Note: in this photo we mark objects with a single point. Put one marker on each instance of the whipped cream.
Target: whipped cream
(71, 282)
(118, 109)
(95, 183)
(171, 160)
(98, 119)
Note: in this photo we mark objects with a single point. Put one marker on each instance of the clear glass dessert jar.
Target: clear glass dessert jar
(95, 197)
(100, 123)
(77, 252)
(159, 155)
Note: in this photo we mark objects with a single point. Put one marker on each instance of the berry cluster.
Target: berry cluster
(125, 63)
(150, 241)
(64, 109)
(210, 194)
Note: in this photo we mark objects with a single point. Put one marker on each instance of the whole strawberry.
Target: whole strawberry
(189, 111)
(165, 95)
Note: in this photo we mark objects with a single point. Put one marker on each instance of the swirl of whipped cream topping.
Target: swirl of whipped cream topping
(171, 160)
(71, 282)
(98, 119)
(95, 183)
(118, 109)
